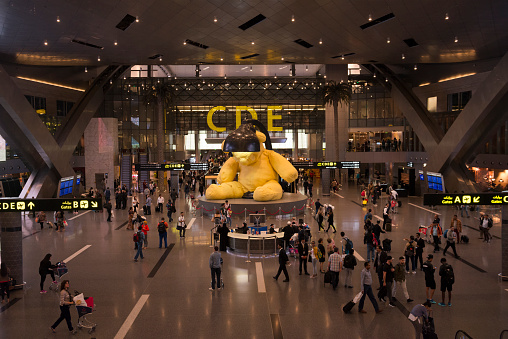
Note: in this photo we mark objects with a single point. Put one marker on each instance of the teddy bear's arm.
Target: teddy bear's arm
(228, 171)
(283, 167)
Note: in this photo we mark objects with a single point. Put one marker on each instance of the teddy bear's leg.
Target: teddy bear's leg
(269, 191)
(226, 190)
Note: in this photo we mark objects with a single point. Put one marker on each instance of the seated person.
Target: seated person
(272, 229)
(242, 229)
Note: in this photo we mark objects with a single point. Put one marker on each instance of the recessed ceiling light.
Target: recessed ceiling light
(456, 39)
(251, 68)
(86, 69)
(321, 41)
(137, 18)
(115, 43)
(275, 77)
(58, 19)
(306, 68)
(388, 40)
(221, 59)
(252, 42)
(225, 77)
(416, 67)
(370, 17)
(403, 56)
(160, 58)
(446, 16)
(386, 80)
(98, 58)
(293, 18)
(45, 42)
(342, 57)
(185, 42)
(282, 58)
(374, 75)
(214, 19)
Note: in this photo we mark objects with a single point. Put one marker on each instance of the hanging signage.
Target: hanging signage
(178, 166)
(466, 199)
(22, 205)
(327, 164)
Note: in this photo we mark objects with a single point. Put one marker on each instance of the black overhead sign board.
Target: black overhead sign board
(466, 199)
(327, 164)
(177, 166)
(21, 205)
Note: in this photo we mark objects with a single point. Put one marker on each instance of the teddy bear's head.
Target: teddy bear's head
(248, 158)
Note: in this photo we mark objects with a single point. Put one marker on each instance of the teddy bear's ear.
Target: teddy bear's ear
(222, 145)
(261, 136)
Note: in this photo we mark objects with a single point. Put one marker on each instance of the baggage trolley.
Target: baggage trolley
(60, 269)
(425, 231)
(83, 311)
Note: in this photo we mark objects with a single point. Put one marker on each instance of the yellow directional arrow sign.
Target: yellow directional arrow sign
(94, 204)
(476, 199)
(31, 205)
(21, 205)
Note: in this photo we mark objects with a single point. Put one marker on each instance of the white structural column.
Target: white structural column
(101, 149)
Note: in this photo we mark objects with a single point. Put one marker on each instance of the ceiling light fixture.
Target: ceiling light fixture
(45, 42)
(403, 56)
(342, 57)
(388, 40)
(51, 84)
(275, 77)
(58, 19)
(446, 16)
(160, 58)
(86, 69)
(282, 58)
(374, 75)
(321, 41)
(225, 77)
(456, 39)
(221, 59)
(137, 18)
(214, 19)
(386, 80)
(185, 42)
(251, 68)
(293, 18)
(98, 58)
(252, 42)
(416, 67)
(306, 68)
(115, 43)
(370, 17)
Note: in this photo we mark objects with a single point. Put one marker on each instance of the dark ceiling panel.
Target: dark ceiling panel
(303, 43)
(256, 20)
(378, 21)
(125, 22)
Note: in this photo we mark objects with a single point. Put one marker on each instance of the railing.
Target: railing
(462, 335)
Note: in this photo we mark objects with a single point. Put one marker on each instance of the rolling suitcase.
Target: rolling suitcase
(387, 245)
(328, 278)
(144, 209)
(382, 293)
(464, 239)
(349, 306)
(389, 225)
(400, 203)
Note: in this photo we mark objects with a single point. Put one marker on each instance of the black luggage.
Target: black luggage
(387, 245)
(389, 226)
(328, 277)
(400, 203)
(348, 307)
(144, 209)
(382, 292)
(464, 239)
(428, 329)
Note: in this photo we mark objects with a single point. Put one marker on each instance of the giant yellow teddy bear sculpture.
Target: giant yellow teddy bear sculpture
(257, 172)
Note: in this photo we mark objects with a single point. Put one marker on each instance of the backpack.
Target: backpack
(349, 245)
(374, 240)
(489, 223)
(348, 261)
(136, 237)
(449, 275)
(410, 250)
(319, 254)
(161, 227)
(445, 234)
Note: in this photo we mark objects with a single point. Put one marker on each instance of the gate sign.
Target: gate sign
(22, 205)
(466, 199)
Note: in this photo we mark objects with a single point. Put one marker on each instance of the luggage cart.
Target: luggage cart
(83, 311)
(60, 270)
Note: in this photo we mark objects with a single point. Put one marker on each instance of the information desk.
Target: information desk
(238, 242)
(258, 229)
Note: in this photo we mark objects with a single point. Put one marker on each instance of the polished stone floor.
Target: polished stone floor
(179, 304)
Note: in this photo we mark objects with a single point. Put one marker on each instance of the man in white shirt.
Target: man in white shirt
(160, 203)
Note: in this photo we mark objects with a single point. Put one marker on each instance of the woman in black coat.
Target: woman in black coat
(223, 234)
(45, 268)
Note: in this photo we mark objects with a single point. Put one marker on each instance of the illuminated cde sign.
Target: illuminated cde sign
(22, 205)
(271, 116)
(466, 199)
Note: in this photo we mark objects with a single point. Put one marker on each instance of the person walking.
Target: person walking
(451, 238)
(430, 281)
(349, 265)
(283, 259)
(170, 206)
(368, 239)
(303, 252)
(388, 274)
(321, 254)
(223, 236)
(41, 218)
(5, 282)
(436, 232)
(335, 266)
(420, 245)
(409, 252)
(485, 226)
(214, 261)
(317, 205)
(320, 218)
(418, 315)
(309, 188)
(129, 222)
(457, 224)
(400, 279)
(330, 221)
(60, 221)
(140, 237)
(108, 208)
(379, 261)
(162, 228)
(148, 204)
(145, 230)
(366, 283)
(160, 203)
(181, 225)
(447, 281)
(135, 204)
(386, 213)
(313, 258)
(45, 268)
(65, 303)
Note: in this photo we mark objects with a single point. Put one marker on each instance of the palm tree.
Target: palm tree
(334, 93)
(162, 95)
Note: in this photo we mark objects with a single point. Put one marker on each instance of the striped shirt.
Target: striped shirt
(334, 261)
